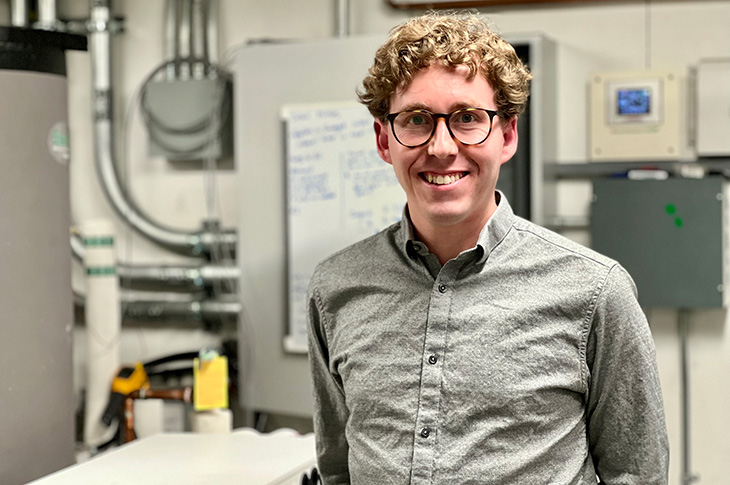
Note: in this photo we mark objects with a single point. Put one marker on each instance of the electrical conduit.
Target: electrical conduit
(190, 243)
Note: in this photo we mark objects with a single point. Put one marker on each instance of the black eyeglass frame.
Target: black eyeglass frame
(447, 117)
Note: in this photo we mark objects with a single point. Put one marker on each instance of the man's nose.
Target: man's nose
(442, 145)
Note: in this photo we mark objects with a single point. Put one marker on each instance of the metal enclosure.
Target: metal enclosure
(36, 389)
(668, 234)
(189, 119)
(269, 77)
(713, 107)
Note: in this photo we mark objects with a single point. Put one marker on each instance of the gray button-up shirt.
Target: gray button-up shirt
(525, 360)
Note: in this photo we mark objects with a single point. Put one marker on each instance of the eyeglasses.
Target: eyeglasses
(470, 126)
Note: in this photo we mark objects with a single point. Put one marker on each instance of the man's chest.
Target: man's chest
(459, 349)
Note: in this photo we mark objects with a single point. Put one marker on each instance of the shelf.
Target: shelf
(611, 169)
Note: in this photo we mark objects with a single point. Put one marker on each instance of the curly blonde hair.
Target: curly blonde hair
(450, 39)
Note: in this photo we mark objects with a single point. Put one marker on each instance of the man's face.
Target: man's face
(465, 196)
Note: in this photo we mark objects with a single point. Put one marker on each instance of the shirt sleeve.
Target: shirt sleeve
(330, 409)
(625, 413)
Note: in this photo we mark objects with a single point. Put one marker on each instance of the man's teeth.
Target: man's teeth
(442, 179)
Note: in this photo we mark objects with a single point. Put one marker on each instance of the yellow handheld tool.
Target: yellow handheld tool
(128, 380)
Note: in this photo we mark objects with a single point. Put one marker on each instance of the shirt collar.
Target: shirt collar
(410, 245)
(493, 232)
(496, 228)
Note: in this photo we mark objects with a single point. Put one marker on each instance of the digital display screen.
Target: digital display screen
(634, 101)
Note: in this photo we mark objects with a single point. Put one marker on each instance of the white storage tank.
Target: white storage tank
(37, 404)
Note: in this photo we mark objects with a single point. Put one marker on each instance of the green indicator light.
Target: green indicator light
(670, 208)
(678, 222)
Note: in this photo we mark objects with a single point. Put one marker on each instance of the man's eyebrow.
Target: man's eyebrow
(415, 106)
(454, 107)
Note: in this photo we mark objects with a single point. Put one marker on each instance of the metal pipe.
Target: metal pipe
(185, 38)
(188, 278)
(201, 243)
(198, 37)
(47, 19)
(19, 13)
(211, 44)
(184, 394)
(159, 307)
(182, 277)
(170, 36)
(683, 322)
(203, 34)
(213, 312)
(343, 18)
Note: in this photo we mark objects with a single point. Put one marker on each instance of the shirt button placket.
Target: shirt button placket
(428, 418)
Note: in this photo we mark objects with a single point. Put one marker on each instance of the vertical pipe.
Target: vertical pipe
(99, 46)
(184, 38)
(197, 37)
(19, 13)
(683, 323)
(343, 18)
(100, 50)
(178, 52)
(103, 326)
(169, 27)
(211, 45)
(47, 15)
(129, 434)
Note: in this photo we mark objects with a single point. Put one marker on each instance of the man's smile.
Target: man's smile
(442, 179)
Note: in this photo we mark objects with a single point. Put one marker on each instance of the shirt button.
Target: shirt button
(442, 288)
(426, 432)
(432, 359)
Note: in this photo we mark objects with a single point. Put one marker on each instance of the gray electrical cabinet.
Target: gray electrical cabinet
(668, 234)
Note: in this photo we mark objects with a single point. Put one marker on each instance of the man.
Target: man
(464, 344)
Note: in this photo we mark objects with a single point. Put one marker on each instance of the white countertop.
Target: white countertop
(242, 457)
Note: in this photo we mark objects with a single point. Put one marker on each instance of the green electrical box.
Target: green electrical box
(668, 234)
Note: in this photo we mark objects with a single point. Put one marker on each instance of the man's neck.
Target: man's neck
(447, 242)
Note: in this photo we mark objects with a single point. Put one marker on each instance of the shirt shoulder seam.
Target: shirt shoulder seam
(587, 322)
(583, 255)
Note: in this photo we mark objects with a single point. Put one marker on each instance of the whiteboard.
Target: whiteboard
(339, 191)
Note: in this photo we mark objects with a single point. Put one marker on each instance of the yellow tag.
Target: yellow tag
(210, 383)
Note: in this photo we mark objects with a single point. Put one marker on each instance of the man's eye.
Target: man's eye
(466, 118)
(417, 120)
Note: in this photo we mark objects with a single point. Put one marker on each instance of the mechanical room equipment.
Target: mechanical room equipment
(713, 107)
(637, 116)
(668, 234)
(36, 391)
(671, 236)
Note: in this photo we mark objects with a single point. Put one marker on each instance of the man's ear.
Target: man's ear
(381, 138)
(509, 145)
